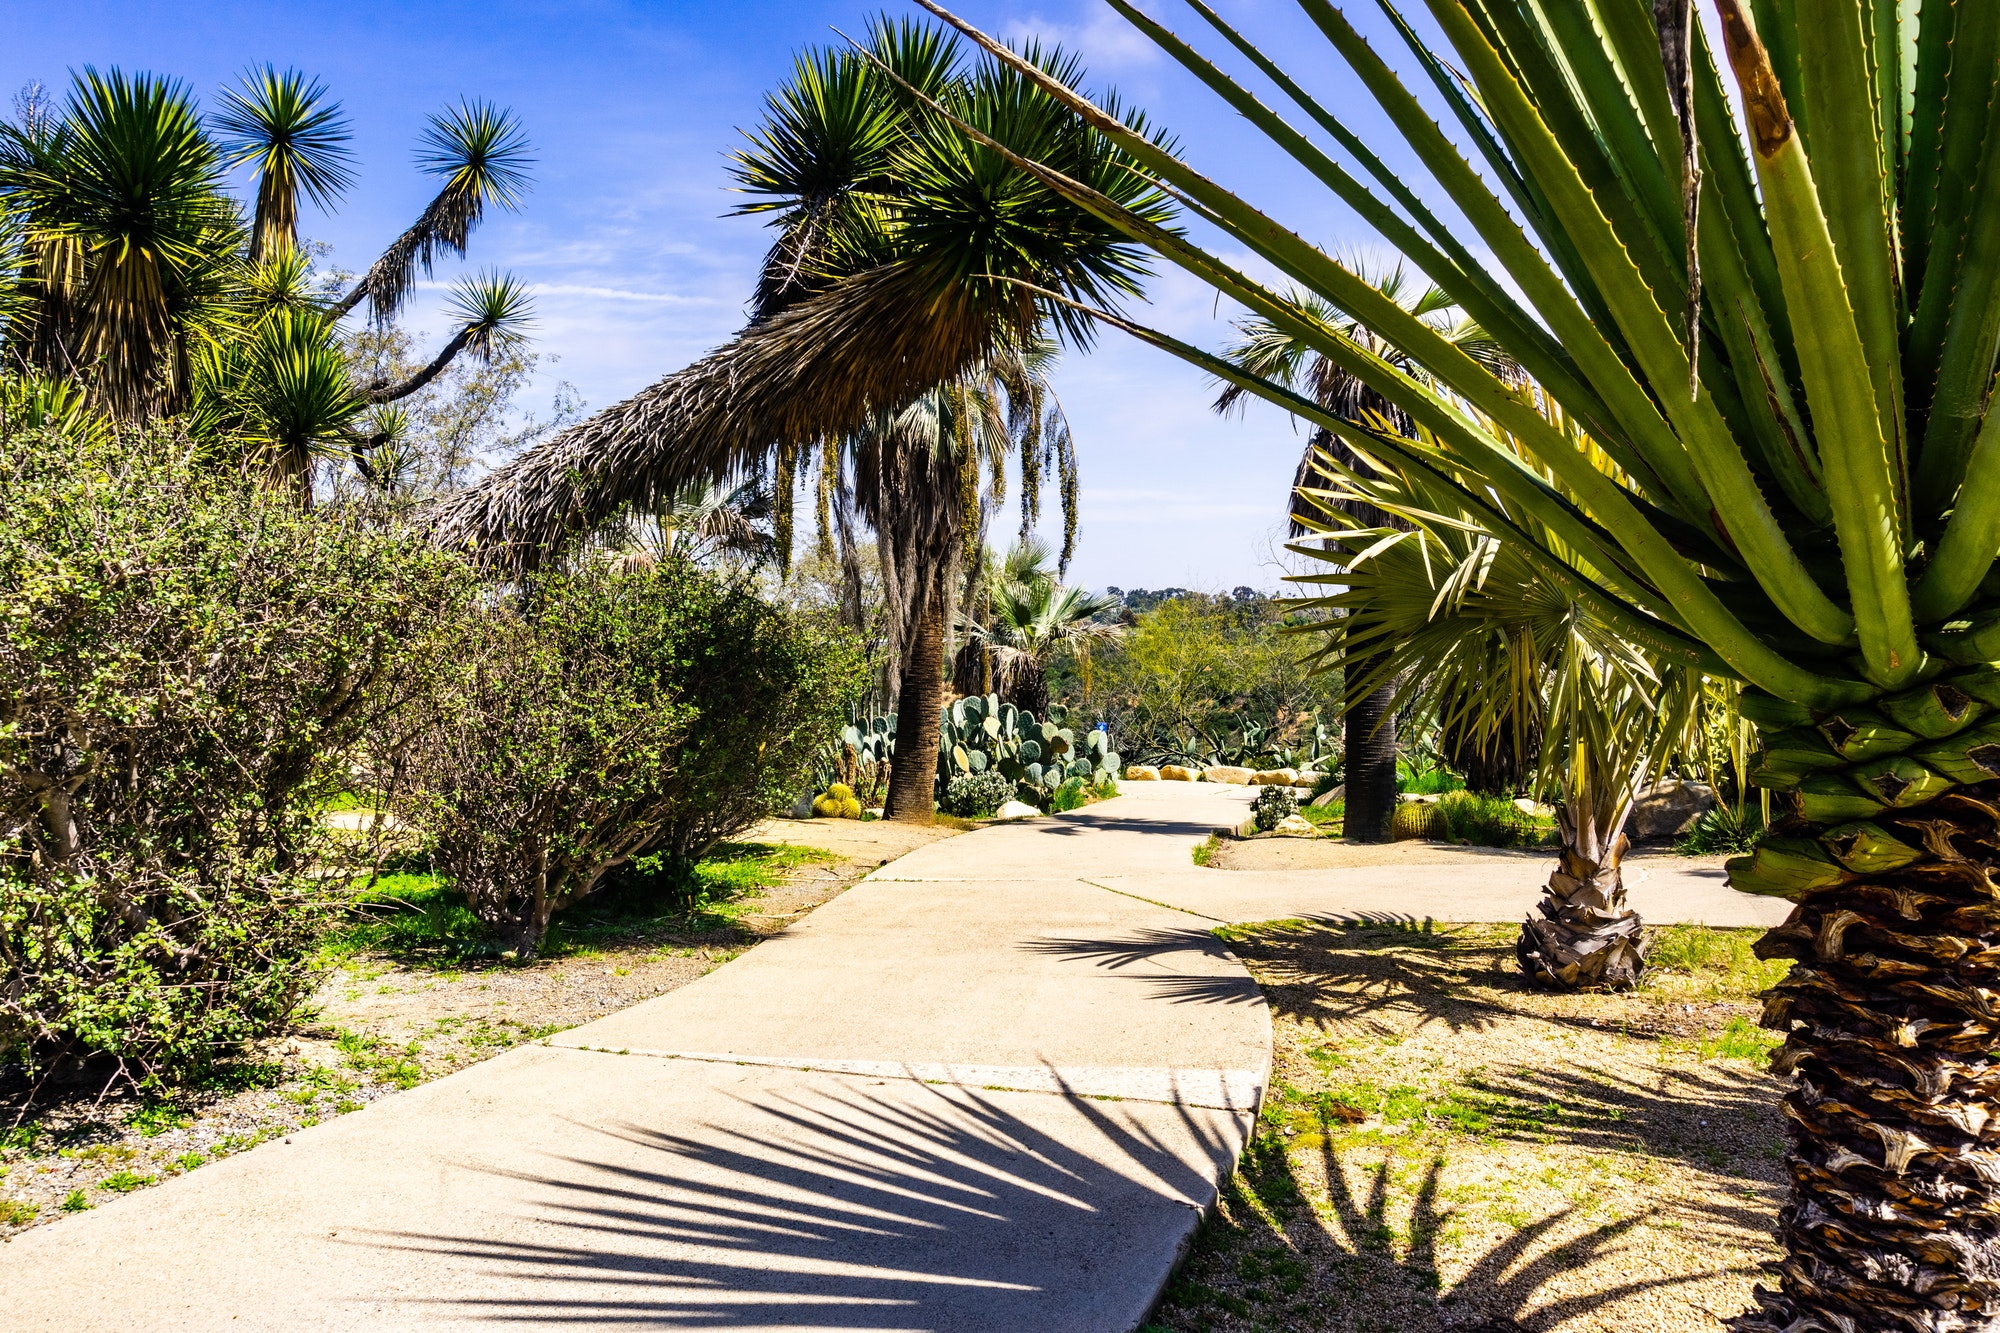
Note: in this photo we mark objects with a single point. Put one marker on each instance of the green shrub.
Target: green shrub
(551, 753)
(1272, 806)
(1490, 821)
(191, 666)
(977, 795)
(764, 685)
(1071, 794)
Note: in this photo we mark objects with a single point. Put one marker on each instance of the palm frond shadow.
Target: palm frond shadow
(1156, 957)
(845, 1208)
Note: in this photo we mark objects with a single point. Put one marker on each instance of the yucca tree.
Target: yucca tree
(915, 272)
(1275, 353)
(285, 127)
(127, 236)
(1806, 497)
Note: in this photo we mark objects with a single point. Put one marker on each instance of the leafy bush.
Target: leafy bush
(1490, 821)
(977, 795)
(551, 755)
(191, 667)
(765, 685)
(1071, 794)
(1272, 806)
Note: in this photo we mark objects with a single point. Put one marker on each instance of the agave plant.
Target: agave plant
(1783, 335)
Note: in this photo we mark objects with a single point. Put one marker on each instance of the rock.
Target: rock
(1141, 773)
(1226, 773)
(1330, 795)
(1528, 805)
(1175, 773)
(1016, 810)
(803, 807)
(1296, 826)
(1275, 777)
(1664, 809)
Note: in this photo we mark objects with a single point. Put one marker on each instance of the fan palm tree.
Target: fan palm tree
(1784, 337)
(1432, 607)
(1031, 618)
(891, 301)
(1273, 353)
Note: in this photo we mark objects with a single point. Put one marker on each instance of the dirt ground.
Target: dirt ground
(1443, 1149)
(381, 1023)
(1333, 853)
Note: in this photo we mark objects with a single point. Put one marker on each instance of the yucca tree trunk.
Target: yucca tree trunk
(913, 779)
(1370, 768)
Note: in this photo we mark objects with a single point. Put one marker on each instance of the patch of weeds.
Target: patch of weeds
(156, 1118)
(17, 1212)
(125, 1182)
(1738, 1039)
(101, 1153)
(412, 917)
(1717, 963)
(242, 1075)
(1206, 851)
(236, 1143)
(188, 1161)
(74, 1202)
(18, 1138)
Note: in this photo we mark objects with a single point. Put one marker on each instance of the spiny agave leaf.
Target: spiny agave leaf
(1829, 798)
(1766, 710)
(1969, 756)
(1933, 711)
(1900, 781)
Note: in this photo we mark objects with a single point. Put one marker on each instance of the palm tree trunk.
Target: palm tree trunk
(913, 778)
(1588, 938)
(1371, 768)
(1889, 1020)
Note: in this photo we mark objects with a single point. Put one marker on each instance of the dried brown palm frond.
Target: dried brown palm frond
(827, 366)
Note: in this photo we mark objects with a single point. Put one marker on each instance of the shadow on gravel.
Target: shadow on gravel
(921, 1209)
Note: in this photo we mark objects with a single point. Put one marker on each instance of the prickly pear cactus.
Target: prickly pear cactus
(978, 734)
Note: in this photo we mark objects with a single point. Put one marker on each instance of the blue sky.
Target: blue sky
(632, 109)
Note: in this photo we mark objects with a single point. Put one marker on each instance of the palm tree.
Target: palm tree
(1783, 342)
(1031, 619)
(1430, 606)
(1271, 352)
(915, 269)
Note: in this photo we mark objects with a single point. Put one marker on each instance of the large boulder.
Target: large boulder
(1175, 773)
(1296, 826)
(1227, 773)
(1141, 773)
(1275, 777)
(1665, 809)
(1016, 810)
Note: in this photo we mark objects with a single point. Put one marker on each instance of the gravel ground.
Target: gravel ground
(1443, 1149)
(380, 1024)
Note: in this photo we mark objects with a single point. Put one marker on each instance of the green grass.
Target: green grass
(421, 919)
(1718, 964)
(17, 1212)
(156, 1118)
(74, 1202)
(1206, 851)
(1325, 816)
(125, 1182)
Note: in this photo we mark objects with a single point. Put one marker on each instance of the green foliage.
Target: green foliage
(1490, 821)
(764, 682)
(1203, 679)
(1073, 794)
(1272, 807)
(977, 795)
(552, 750)
(1722, 964)
(17, 1212)
(191, 667)
(1723, 829)
(980, 734)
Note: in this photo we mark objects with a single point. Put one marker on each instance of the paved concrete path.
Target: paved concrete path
(990, 1088)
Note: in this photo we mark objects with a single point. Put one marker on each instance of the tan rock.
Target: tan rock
(1330, 795)
(1275, 777)
(1296, 826)
(1175, 773)
(1141, 773)
(1227, 773)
